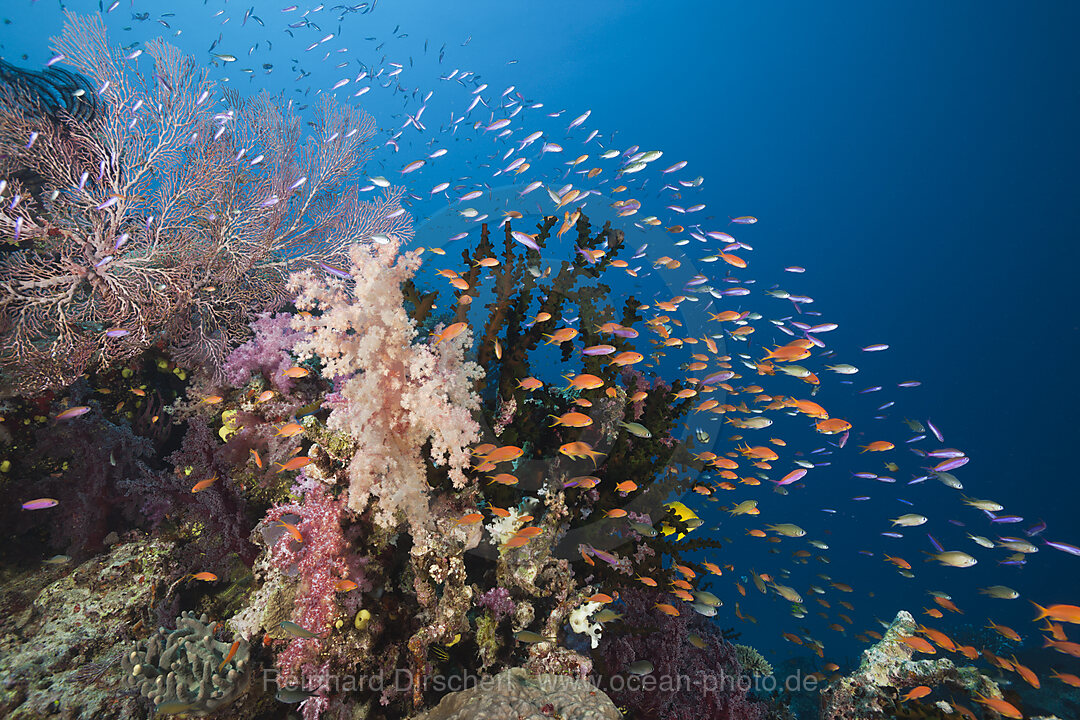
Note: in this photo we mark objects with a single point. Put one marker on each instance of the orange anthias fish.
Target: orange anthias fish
(530, 384)
(295, 463)
(1005, 631)
(668, 609)
(292, 530)
(1006, 709)
(204, 576)
(560, 336)
(1066, 678)
(917, 692)
(572, 419)
(450, 332)
(230, 656)
(203, 484)
(290, 429)
(296, 372)
(1061, 613)
(503, 454)
(579, 449)
(919, 644)
(583, 382)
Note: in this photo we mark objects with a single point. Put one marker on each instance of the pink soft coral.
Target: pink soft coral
(400, 394)
(319, 561)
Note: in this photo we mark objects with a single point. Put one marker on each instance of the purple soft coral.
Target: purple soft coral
(269, 353)
(688, 681)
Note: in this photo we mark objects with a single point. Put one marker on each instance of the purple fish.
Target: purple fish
(937, 433)
(525, 240)
(909, 384)
(947, 465)
(335, 271)
(892, 534)
(116, 332)
(876, 348)
(865, 475)
(793, 476)
(875, 388)
(40, 504)
(73, 412)
(1007, 519)
(1063, 547)
(935, 543)
(606, 557)
(946, 453)
(1036, 529)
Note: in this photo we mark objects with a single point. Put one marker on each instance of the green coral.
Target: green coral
(751, 661)
(487, 639)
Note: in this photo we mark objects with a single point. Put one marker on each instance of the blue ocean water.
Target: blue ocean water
(918, 159)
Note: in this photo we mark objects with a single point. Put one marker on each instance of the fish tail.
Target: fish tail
(1043, 612)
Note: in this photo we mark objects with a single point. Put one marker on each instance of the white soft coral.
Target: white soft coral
(400, 393)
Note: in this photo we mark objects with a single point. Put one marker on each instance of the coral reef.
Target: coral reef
(186, 670)
(514, 693)
(886, 668)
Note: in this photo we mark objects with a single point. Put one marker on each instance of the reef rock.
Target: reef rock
(517, 694)
(886, 669)
(63, 630)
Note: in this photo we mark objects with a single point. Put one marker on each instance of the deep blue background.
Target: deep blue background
(919, 158)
